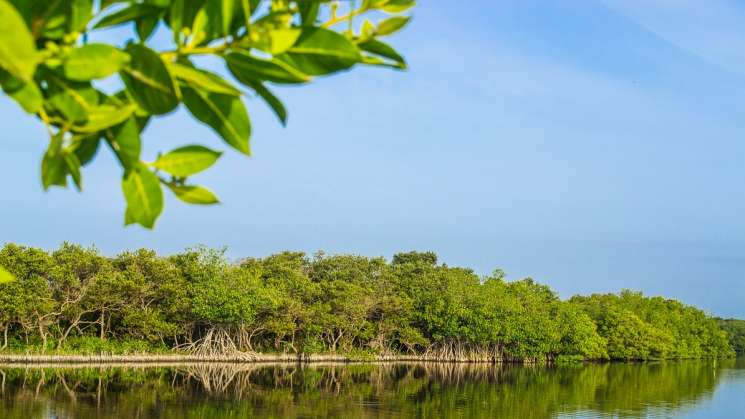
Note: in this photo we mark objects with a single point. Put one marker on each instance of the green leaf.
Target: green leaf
(181, 14)
(73, 100)
(27, 94)
(367, 31)
(309, 12)
(243, 16)
(210, 21)
(6, 276)
(199, 28)
(227, 13)
(17, 50)
(377, 61)
(194, 194)
(186, 161)
(94, 61)
(224, 113)
(145, 26)
(246, 12)
(396, 6)
(124, 140)
(144, 197)
(384, 50)
(176, 18)
(202, 79)
(104, 116)
(283, 39)
(129, 14)
(392, 25)
(148, 81)
(142, 121)
(271, 40)
(85, 148)
(247, 68)
(321, 51)
(53, 166)
(81, 12)
(272, 100)
(73, 167)
(53, 171)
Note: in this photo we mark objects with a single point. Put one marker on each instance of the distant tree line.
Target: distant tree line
(200, 302)
(735, 329)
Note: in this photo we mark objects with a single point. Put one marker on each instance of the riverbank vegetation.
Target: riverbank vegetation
(75, 300)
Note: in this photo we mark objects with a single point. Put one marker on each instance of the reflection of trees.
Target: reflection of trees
(353, 390)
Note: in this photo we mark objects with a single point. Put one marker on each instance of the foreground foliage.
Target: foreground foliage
(92, 93)
(199, 302)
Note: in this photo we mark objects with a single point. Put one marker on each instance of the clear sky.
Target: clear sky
(591, 145)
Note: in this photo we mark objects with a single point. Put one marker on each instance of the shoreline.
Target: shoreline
(248, 358)
(259, 358)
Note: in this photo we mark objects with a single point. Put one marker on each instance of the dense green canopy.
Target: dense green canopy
(76, 299)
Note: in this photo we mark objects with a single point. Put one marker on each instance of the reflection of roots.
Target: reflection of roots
(220, 379)
(460, 372)
(236, 380)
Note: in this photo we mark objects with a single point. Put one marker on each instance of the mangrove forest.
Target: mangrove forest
(74, 300)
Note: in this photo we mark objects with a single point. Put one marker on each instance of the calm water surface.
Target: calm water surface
(701, 389)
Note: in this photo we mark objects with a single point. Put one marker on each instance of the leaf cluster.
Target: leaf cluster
(51, 70)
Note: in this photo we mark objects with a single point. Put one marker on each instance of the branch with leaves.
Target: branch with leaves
(48, 67)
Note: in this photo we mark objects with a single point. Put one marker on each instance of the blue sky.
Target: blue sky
(592, 145)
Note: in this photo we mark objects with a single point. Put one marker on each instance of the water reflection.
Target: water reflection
(363, 390)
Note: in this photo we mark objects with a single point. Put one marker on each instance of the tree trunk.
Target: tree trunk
(43, 335)
(67, 331)
(335, 340)
(5, 336)
(102, 322)
(292, 343)
(254, 332)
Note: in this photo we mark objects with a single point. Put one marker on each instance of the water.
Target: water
(691, 389)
